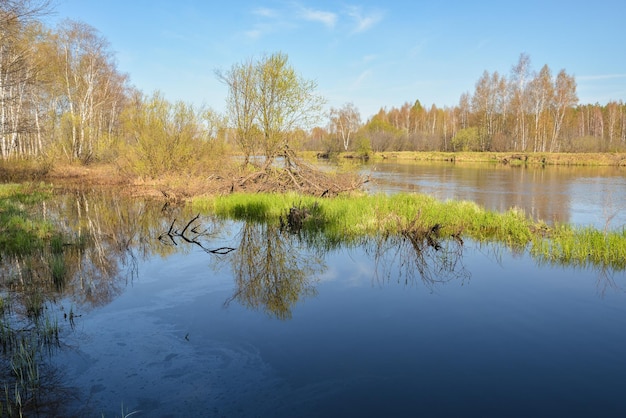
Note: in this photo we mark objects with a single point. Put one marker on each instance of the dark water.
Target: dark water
(294, 326)
(482, 333)
(581, 195)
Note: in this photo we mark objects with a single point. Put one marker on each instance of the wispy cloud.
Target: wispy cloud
(269, 21)
(254, 33)
(358, 82)
(265, 12)
(274, 19)
(327, 18)
(600, 77)
(364, 21)
(369, 58)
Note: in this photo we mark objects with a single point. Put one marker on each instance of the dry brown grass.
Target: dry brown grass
(217, 179)
(227, 177)
(530, 158)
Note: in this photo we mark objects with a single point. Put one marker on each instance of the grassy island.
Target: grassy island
(349, 218)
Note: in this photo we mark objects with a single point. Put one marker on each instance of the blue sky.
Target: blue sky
(373, 54)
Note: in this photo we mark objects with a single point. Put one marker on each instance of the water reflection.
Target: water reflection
(93, 255)
(272, 269)
(580, 195)
(114, 234)
(411, 259)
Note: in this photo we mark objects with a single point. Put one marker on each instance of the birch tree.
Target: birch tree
(18, 73)
(564, 97)
(519, 101)
(540, 94)
(484, 106)
(345, 122)
(91, 85)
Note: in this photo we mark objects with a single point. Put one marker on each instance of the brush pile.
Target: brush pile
(295, 174)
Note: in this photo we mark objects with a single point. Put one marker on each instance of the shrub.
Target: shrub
(166, 138)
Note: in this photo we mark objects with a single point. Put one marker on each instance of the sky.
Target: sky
(374, 54)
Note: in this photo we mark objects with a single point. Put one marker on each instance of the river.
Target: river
(287, 326)
(593, 196)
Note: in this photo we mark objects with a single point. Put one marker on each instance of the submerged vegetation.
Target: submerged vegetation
(348, 219)
(32, 260)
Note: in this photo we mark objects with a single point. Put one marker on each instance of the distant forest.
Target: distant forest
(62, 96)
(525, 111)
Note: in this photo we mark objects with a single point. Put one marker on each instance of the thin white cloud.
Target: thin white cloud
(269, 21)
(327, 18)
(265, 12)
(369, 58)
(361, 79)
(601, 77)
(363, 21)
(254, 33)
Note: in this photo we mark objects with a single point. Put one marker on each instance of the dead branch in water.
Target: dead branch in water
(191, 235)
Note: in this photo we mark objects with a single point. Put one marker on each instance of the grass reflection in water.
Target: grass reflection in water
(83, 254)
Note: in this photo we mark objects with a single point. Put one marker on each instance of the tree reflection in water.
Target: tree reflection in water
(88, 261)
(418, 255)
(273, 269)
(104, 237)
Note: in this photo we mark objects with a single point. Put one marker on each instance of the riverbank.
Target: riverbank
(506, 158)
(520, 158)
(184, 186)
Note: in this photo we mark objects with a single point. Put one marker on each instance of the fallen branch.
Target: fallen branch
(191, 236)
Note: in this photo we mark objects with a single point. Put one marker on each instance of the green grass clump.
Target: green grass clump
(20, 233)
(580, 246)
(366, 215)
(346, 219)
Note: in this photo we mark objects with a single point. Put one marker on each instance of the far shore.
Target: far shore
(182, 186)
(512, 158)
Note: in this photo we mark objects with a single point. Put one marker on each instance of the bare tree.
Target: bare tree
(242, 106)
(18, 72)
(267, 102)
(564, 98)
(345, 122)
(519, 101)
(540, 92)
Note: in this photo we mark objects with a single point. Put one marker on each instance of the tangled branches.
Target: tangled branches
(191, 235)
(297, 175)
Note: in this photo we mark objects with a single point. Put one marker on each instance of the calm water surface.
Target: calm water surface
(582, 195)
(289, 327)
(482, 333)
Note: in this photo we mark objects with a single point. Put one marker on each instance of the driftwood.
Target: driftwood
(191, 235)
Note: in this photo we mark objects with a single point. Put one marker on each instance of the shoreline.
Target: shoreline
(505, 158)
(184, 186)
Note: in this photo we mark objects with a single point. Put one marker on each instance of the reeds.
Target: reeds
(581, 246)
(27, 326)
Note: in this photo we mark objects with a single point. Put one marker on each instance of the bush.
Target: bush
(466, 140)
(165, 138)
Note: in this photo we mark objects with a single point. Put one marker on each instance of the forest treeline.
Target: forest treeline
(526, 111)
(62, 97)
